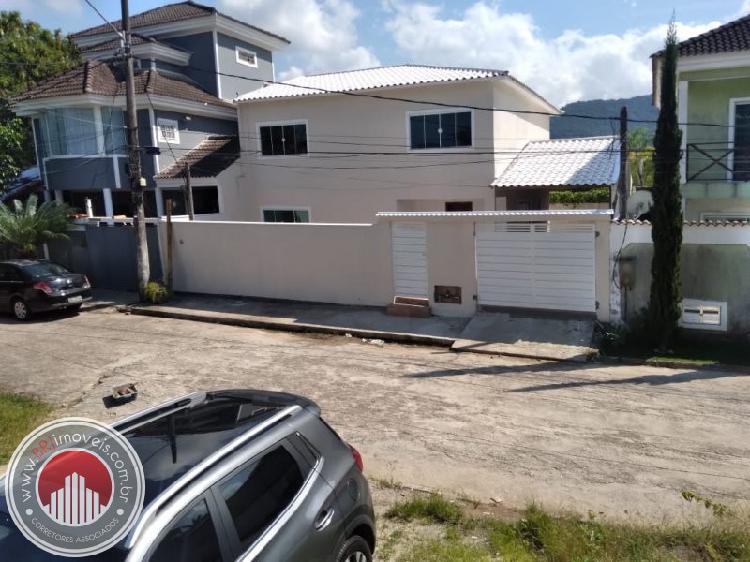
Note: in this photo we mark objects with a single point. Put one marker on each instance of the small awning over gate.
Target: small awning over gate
(580, 163)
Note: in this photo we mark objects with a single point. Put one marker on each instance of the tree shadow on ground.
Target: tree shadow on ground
(569, 369)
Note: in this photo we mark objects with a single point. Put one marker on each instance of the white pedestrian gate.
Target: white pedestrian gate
(409, 259)
(547, 265)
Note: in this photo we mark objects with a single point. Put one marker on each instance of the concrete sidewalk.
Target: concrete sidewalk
(359, 321)
(540, 337)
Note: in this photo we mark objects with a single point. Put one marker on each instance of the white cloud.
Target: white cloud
(572, 66)
(28, 7)
(323, 32)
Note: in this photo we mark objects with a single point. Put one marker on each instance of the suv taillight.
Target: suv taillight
(43, 287)
(357, 459)
(86, 283)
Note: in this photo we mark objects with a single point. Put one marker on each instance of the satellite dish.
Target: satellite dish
(640, 203)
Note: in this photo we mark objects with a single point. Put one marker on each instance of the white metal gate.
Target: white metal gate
(409, 259)
(536, 265)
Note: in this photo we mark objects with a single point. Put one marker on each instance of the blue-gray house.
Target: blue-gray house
(191, 61)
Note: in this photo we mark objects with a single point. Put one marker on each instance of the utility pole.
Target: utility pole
(136, 182)
(623, 184)
(189, 193)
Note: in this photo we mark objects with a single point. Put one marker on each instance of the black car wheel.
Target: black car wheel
(355, 549)
(20, 309)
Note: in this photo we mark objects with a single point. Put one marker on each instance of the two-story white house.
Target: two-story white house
(341, 147)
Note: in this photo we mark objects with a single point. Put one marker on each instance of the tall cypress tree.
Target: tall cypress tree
(666, 214)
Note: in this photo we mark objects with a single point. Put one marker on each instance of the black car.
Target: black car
(236, 475)
(29, 286)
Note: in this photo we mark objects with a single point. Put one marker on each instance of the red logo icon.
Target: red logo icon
(74, 487)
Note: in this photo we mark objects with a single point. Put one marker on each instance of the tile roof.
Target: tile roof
(731, 37)
(582, 162)
(212, 156)
(728, 223)
(368, 79)
(167, 14)
(490, 214)
(108, 79)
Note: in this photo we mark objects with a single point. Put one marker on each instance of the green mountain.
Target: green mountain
(639, 107)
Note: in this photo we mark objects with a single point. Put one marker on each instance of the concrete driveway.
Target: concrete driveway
(621, 440)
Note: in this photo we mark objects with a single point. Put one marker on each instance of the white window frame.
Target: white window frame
(276, 124)
(241, 50)
(410, 114)
(167, 122)
(733, 103)
(265, 208)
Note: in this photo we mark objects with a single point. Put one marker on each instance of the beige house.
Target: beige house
(344, 146)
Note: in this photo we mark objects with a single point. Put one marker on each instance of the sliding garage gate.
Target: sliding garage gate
(545, 265)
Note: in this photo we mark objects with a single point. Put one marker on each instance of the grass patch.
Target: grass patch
(432, 509)
(539, 536)
(18, 415)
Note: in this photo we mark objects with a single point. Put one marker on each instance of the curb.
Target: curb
(254, 322)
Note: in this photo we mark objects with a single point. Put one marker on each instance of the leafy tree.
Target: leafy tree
(25, 226)
(28, 54)
(666, 213)
(641, 157)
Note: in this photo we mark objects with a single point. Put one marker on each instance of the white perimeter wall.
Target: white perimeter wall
(344, 264)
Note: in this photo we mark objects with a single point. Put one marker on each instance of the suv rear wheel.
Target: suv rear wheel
(355, 549)
(20, 309)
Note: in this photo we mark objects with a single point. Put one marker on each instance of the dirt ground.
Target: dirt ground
(622, 441)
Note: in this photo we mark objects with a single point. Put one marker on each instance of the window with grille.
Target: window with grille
(246, 57)
(167, 131)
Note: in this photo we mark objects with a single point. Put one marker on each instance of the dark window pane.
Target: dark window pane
(257, 494)
(431, 126)
(265, 141)
(205, 200)
(448, 126)
(463, 128)
(269, 216)
(742, 142)
(192, 539)
(288, 139)
(178, 201)
(300, 138)
(301, 216)
(417, 131)
(277, 145)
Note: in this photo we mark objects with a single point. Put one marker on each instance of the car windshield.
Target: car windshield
(44, 269)
(174, 443)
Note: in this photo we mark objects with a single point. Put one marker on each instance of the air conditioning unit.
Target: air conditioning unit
(704, 315)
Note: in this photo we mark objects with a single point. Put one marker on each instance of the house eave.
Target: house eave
(32, 107)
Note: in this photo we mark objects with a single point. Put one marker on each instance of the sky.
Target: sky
(565, 50)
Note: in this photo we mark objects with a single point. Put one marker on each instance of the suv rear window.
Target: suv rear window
(192, 538)
(44, 270)
(259, 492)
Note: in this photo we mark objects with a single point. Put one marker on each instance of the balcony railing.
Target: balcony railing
(717, 161)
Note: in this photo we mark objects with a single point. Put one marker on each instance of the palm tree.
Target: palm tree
(25, 226)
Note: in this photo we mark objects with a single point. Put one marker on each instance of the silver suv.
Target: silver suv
(237, 475)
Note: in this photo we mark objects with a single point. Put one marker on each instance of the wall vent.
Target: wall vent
(704, 315)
